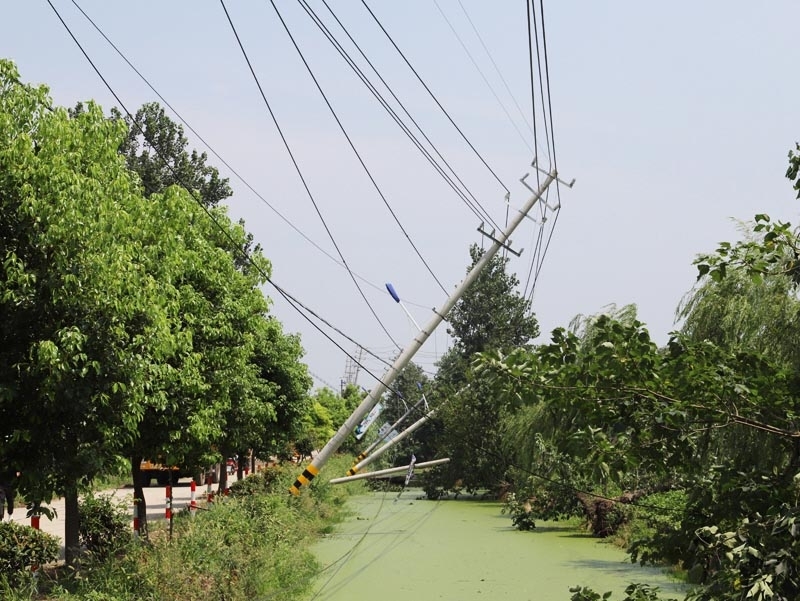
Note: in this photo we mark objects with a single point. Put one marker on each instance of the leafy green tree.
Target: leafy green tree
(329, 410)
(84, 326)
(743, 313)
(407, 391)
(155, 148)
(277, 357)
(129, 321)
(622, 418)
(269, 398)
(491, 315)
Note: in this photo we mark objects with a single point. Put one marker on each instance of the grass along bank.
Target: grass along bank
(253, 544)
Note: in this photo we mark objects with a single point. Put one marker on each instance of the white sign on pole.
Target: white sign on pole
(361, 429)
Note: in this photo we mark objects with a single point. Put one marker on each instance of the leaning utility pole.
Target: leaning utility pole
(405, 357)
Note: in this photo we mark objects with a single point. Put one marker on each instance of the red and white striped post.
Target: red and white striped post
(193, 501)
(168, 505)
(209, 492)
(137, 525)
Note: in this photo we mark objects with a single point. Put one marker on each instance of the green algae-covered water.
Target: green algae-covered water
(411, 549)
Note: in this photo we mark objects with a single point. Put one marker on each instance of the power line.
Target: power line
(474, 205)
(483, 76)
(496, 68)
(433, 96)
(300, 173)
(552, 135)
(222, 160)
(353, 147)
(293, 302)
(547, 78)
(537, 260)
(532, 6)
(317, 316)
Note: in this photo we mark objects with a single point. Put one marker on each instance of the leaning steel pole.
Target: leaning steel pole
(405, 357)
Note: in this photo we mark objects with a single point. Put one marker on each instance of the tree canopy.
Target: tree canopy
(131, 324)
(491, 315)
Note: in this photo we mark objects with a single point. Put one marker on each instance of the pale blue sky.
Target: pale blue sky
(674, 118)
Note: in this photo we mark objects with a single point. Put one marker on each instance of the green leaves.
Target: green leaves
(130, 323)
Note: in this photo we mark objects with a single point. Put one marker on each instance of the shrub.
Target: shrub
(520, 512)
(656, 534)
(104, 524)
(264, 482)
(22, 547)
(634, 592)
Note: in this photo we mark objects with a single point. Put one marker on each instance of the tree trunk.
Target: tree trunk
(252, 462)
(138, 493)
(606, 515)
(71, 524)
(223, 476)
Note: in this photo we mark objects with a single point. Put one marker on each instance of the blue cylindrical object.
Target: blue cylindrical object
(393, 292)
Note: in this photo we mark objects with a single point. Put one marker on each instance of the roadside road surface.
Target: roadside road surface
(154, 495)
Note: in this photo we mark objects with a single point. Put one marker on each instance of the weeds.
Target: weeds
(254, 544)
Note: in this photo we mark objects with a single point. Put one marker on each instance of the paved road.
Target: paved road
(154, 495)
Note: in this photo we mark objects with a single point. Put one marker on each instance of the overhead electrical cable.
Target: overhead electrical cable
(353, 147)
(433, 96)
(496, 67)
(293, 302)
(547, 136)
(547, 78)
(317, 316)
(537, 260)
(211, 149)
(535, 254)
(484, 78)
(408, 114)
(533, 85)
(544, 252)
(300, 173)
(462, 191)
(554, 165)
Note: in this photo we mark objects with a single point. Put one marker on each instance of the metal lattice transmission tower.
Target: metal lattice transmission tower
(351, 368)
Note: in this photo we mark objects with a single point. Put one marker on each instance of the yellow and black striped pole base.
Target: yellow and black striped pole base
(352, 471)
(305, 478)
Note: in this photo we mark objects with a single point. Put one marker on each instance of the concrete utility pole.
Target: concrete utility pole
(405, 357)
(400, 420)
(390, 471)
(394, 441)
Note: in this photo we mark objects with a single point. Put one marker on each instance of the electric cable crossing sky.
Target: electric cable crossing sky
(502, 241)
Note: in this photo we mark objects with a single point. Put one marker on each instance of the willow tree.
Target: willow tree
(745, 311)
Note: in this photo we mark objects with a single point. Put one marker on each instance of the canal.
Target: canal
(409, 548)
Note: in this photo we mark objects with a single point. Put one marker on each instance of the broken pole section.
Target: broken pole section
(390, 471)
